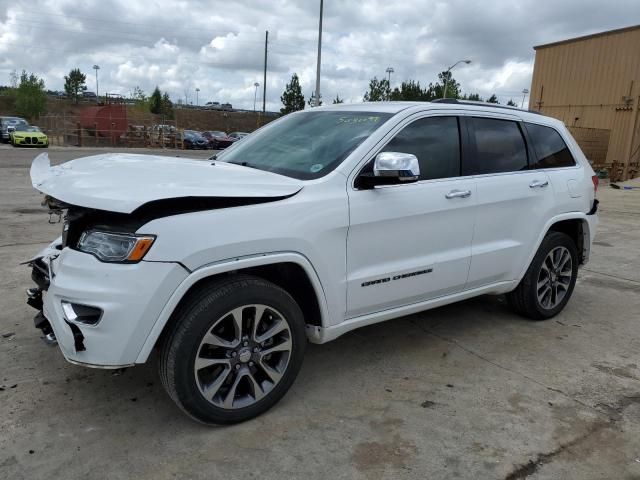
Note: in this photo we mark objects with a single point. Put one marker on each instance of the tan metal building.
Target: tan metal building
(592, 83)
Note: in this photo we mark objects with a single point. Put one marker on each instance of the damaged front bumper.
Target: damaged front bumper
(100, 313)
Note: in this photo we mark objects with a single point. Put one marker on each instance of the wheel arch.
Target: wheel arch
(291, 271)
(575, 225)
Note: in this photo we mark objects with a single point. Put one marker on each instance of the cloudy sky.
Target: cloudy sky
(218, 46)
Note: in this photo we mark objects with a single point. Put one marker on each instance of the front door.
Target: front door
(410, 243)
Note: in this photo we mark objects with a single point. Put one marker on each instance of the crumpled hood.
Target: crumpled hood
(122, 182)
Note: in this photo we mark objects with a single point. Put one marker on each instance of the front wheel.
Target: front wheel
(235, 349)
(548, 284)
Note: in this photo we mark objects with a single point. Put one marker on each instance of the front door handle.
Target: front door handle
(458, 194)
(539, 184)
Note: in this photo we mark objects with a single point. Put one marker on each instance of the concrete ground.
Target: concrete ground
(465, 391)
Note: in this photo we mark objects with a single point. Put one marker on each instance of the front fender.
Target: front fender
(225, 266)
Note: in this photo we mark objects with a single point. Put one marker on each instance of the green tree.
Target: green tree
(411, 91)
(155, 101)
(138, 95)
(338, 100)
(453, 87)
(31, 97)
(292, 98)
(474, 97)
(378, 90)
(511, 103)
(493, 99)
(74, 84)
(167, 105)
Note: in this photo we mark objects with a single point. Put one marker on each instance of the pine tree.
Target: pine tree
(155, 101)
(378, 90)
(74, 84)
(292, 98)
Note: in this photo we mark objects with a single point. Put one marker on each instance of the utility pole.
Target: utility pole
(255, 95)
(197, 90)
(317, 102)
(389, 71)
(524, 95)
(96, 68)
(264, 80)
(448, 71)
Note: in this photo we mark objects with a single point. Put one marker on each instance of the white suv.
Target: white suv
(321, 222)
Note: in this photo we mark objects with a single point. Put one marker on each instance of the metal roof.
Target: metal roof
(587, 37)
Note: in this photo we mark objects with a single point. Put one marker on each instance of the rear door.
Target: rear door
(513, 200)
(410, 243)
(567, 177)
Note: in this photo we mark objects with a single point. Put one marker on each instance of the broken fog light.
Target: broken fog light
(115, 247)
(83, 314)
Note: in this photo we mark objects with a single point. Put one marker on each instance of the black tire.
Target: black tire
(524, 300)
(196, 317)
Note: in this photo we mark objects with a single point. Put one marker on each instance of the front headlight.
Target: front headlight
(115, 247)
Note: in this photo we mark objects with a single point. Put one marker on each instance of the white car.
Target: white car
(321, 222)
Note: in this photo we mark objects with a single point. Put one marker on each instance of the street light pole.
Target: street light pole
(389, 71)
(96, 68)
(255, 95)
(197, 90)
(317, 102)
(446, 78)
(524, 94)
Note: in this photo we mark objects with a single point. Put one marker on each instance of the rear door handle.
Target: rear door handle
(539, 184)
(458, 194)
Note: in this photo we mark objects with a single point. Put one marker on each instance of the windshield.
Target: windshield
(306, 145)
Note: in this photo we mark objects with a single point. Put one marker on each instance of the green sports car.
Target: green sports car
(30, 136)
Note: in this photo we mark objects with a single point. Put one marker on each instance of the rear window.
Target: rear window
(550, 149)
(499, 146)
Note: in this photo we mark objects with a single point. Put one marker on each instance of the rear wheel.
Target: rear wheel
(235, 349)
(548, 284)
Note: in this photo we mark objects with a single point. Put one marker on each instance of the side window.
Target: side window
(500, 146)
(551, 150)
(436, 143)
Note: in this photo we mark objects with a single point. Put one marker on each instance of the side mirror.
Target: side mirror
(391, 168)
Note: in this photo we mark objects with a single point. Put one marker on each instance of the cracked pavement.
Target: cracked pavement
(466, 391)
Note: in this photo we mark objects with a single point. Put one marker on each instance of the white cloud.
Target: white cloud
(218, 46)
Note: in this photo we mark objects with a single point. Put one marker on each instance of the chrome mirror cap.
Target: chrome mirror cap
(402, 166)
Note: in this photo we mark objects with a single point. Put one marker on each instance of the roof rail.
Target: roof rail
(455, 101)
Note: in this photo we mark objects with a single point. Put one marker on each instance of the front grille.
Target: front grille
(34, 140)
(27, 140)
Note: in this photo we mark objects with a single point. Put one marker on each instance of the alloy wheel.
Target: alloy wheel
(243, 356)
(554, 277)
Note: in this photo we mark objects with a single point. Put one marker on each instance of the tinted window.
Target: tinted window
(499, 145)
(436, 143)
(551, 150)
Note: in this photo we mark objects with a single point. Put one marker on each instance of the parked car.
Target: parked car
(323, 221)
(9, 124)
(194, 140)
(238, 135)
(90, 96)
(218, 140)
(29, 136)
(212, 106)
(227, 107)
